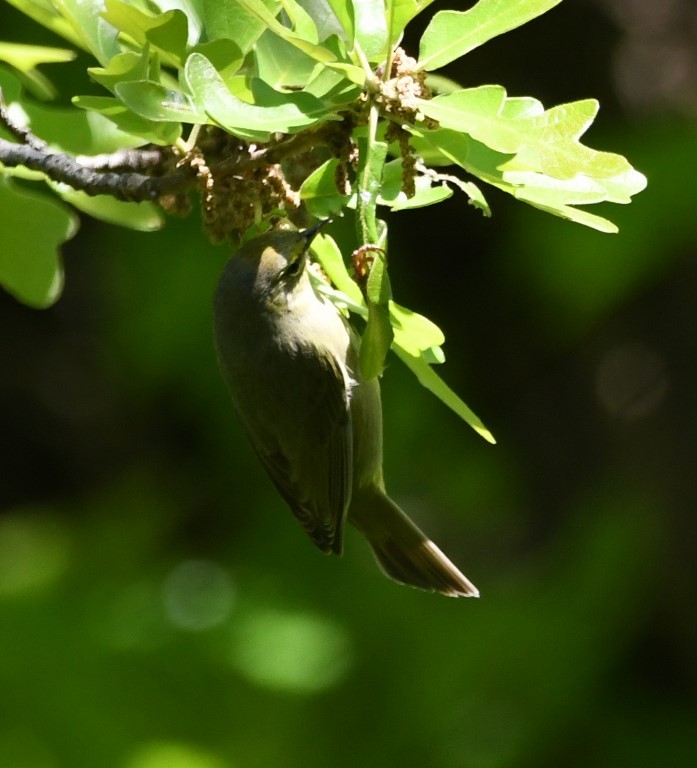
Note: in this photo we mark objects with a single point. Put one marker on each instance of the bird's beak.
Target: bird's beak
(309, 234)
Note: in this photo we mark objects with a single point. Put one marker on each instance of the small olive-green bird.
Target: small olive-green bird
(290, 360)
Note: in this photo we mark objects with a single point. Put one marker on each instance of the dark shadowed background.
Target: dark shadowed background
(160, 608)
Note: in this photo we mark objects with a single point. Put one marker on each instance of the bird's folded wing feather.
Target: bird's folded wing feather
(311, 464)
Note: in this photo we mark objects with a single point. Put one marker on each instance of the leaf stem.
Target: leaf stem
(365, 64)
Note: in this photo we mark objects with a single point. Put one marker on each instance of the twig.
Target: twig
(18, 131)
(134, 187)
(124, 160)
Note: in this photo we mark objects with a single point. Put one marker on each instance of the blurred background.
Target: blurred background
(160, 608)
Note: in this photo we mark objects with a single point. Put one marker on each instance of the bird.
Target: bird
(290, 360)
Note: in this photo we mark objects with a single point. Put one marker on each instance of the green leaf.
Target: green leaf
(556, 196)
(67, 129)
(334, 86)
(232, 20)
(95, 33)
(122, 67)
(301, 21)
(547, 142)
(426, 194)
(169, 31)
(223, 54)
(415, 333)
(371, 28)
(30, 266)
(428, 378)
(261, 12)
(345, 14)
(155, 102)
(273, 111)
(319, 191)
(400, 12)
(128, 122)
(332, 17)
(281, 64)
(330, 258)
(170, 36)
(336, 80)
(452, 34)
(26, 57)
(372, 161)
(49, 16)
(391, 193)
(192, 9)
(476, 197)
(416, 339)
(459, 149)
(377, 288)
(558, 208)
(143, 217)
(378, 334)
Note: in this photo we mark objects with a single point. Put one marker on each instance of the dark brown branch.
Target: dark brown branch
(132, 187)
(124, 160)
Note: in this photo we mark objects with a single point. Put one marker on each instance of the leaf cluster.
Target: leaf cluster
(311, 104)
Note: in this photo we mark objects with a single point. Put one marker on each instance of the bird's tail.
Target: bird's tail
(404, 552)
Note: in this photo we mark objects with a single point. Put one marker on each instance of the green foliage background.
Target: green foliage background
(159, 608)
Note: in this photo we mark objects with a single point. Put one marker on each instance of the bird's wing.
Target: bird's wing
(311, 460)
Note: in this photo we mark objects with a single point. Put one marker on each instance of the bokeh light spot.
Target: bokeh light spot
(631, 381)
(294, 652)
(174, 755)
(198, 595)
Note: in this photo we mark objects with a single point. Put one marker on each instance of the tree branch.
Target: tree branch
(124, 160)
(131, 187)
(24, 135)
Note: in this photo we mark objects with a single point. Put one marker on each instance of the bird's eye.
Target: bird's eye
(293, 268)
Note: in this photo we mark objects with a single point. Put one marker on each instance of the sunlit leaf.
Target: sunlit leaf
(281, 64)
(547, 142)
(143, 217)
(428, 378)
(155, 102)
(378, 334)
(26, 57)
(50, 17)
(329, 256)
(122, 68)
(232, 20)
(556, 196)
(391, 193)
(319, 191)
(413, 332)
(95, 33)
(258, 10)
(301, 21)
(129, 122)
(192, 9)
(223, 54)
(273, 111)
(30, 265)
(168, 31)
(452, 34)
(371, 28)
(400, 13)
